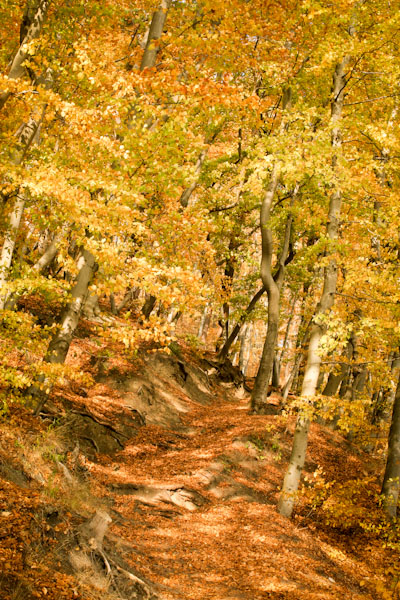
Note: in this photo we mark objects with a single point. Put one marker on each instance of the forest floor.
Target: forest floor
(193, 505)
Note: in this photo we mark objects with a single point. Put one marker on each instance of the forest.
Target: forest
(199, 299)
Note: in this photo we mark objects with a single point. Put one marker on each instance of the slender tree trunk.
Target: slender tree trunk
(334, 381)
(148, 305)
(26, 136)
(187, 193)
(242, 351)
(48, 256)
(273, 285)
(245, 348)
(205, 319)
(113, 305)
(336, 378)
(391, 478)
(61, 341)
(312, 370)
(33, 30)
(130, 295)
(292, 376)
(236, 330)
(285, 343)
(384, 395)
(265, 368)
(154, 35)
(8, 248)
(300, 345)
(276, 372)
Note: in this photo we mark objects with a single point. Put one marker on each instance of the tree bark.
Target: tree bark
(265, 368)
(204, 322)
(33, 31)
(273, 285)
(391, 478)
(336, 378)
(242, 351)
(246, 338)
(276, 372)
(9, 302)
(236, 330)
(155, 33)
(312, 370)
(26, 137)
(148, 306)
(187, 193)
(61, 341)
(48, 256)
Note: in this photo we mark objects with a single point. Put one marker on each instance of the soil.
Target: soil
(188, 482)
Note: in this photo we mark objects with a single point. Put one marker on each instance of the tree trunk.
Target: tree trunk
(276, 372)
(312, 370)
(265, 369)
(301, 344)
(242, 350)
(292, 376)
(205, 320)
(281, 354)
(8, 248)
(273, 285)
(186, 194)
(26, 138)
(155, 33)
(130, 295)
(61, 341)
(382, 397)
(391, 478)
(33, 31)
(48, 256)
(334, 381)
(246, 339)
(148, 305)
(236, 330)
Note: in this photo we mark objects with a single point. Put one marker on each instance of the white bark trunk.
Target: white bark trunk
(8, 248)
(27, 134)
(312, 370)
(155, 33)
(17, 66)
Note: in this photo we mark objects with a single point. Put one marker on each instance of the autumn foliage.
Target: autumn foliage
(152, 155)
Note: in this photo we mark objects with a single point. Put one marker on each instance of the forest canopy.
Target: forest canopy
(154, 154)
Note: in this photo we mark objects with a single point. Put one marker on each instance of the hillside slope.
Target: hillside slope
(157, 483)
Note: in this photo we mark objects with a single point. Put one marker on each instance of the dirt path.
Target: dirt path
(198, 508)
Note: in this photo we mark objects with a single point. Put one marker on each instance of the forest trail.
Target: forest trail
(177, 177)
(192, 496)
(198, 506)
